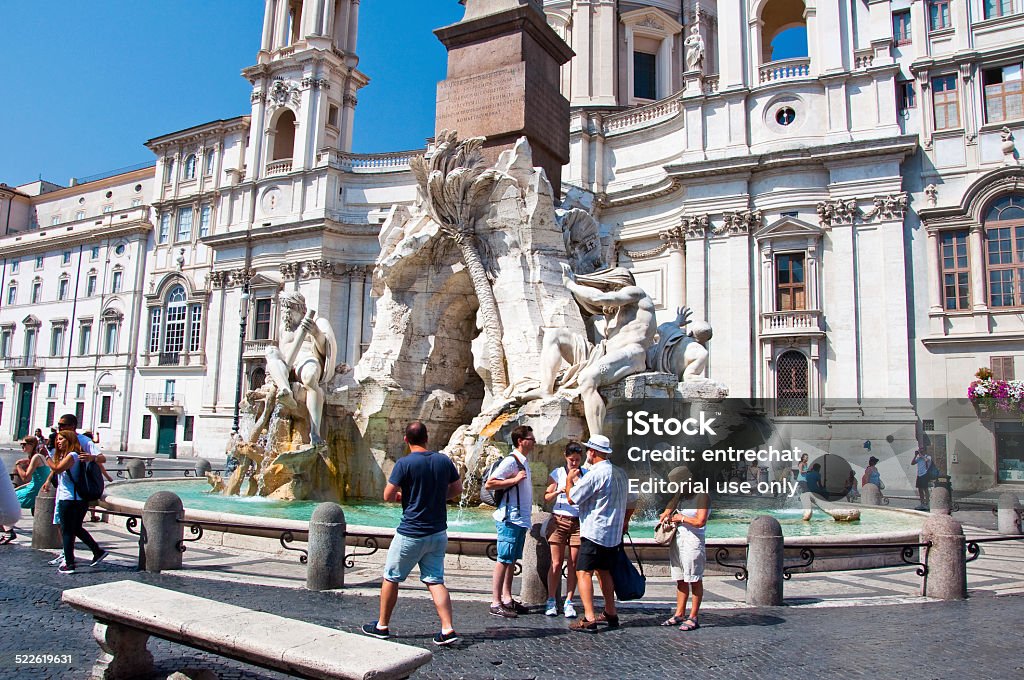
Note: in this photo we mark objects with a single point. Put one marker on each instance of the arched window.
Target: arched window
(257, 378)
(783, 31)
(175, 327)
(1004, 235)
(791, 384)
(189, 168)
(284, 136)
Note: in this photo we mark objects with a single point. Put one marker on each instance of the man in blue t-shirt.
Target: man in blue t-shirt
(423, 481)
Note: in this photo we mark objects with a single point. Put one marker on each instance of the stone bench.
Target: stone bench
(127, 613)
(122, 458)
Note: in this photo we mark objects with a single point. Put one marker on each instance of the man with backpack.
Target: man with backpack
(511, 480)
(924, 477)
(77, 486)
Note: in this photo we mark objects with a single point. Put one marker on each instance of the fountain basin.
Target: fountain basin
(470, 532)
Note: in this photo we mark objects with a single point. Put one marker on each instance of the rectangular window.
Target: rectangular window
(80, 411)
(169, 390)
(190, 423)
(107, 209)
(174, 329)
(906, 98)
(80, 392)
(1002, 368)
(1004, 99)
(51, 413)
(105, 409)
(51, 393)
(37, 291)
(62, 289)
(184, 224)
(998, 8)
(1005, 266)
(790, 291)
(955, 272)
(110, 339)
(14, 266)
(65, 257)
(154, 330)
(115, 285)
(901, 27)
(211, 161)
(84, 339)
(261, 329)
(90, 285)
(944, 98)
(5, 344)
(195, 328)
(39, 261)
(204, 220)
(57, 341)
(94, 252)
(165, 227)
(938, 14)
(147, 426)
(55, 220)
(645, 74)
(136, 202)
(12, 294)
(80, 215)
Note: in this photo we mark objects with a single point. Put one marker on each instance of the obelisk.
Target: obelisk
(503, 82)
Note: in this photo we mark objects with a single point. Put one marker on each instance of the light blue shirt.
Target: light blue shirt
(602, 496)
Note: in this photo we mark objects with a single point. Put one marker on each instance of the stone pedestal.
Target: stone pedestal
(947, 559)
(163, 531)
(45, 534)
(124, 653)
(533, 588)
(503, 82)
(325, 567)
(1008, 514)
(693, 83)
(764, 562)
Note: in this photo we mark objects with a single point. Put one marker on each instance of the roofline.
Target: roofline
(141, 173)
(169, 137)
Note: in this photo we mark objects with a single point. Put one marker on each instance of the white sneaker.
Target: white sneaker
(570, 611)
(552, 608)
(59, 559)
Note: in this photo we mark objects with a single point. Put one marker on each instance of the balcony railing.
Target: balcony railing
(169, 359)
(798, 322)
(27, 361)
(642, 116)
(280, 167)
(785, 69)
(257, 348)
(161, 400)
(394, 161)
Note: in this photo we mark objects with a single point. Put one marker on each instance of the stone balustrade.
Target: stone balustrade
(787, 323)
(279, 167)
(784, 69)
(642, 116)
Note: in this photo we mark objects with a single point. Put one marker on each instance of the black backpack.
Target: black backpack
(494, 497)
(88, 482)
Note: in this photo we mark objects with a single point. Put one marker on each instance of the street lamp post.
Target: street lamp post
(243, 317)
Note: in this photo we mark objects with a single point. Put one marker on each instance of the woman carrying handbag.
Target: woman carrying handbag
(688, 513)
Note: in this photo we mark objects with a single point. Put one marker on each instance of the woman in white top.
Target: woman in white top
(563, 530)
(689, 512)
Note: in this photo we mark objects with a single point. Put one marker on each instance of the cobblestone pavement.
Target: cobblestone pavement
(977, 638)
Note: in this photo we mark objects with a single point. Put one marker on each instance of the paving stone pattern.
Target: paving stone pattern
(921, 640)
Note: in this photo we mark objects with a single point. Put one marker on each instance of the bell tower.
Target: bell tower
(304, 85)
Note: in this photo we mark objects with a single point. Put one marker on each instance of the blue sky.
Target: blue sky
(87, 83)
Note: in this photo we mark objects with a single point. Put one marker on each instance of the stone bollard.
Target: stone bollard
(325, 567)
(45, 534)
(870, 494)
(533, 584)
(940, 502)
(136, 469)
(764, 562)
(202, 467)
(1008, 514)
(162, 531)
(947, 560)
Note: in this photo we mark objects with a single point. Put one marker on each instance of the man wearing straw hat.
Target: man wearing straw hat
(603, 498)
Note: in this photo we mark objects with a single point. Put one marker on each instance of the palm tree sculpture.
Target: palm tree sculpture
(455, 183)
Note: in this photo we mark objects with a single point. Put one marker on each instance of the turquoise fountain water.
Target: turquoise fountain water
(724, 524)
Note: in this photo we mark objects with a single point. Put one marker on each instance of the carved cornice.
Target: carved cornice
(837, 211)
(316, 269)
(290, 270)
(742, 222)
(230, 278)
(889, 207)
(644, 254)
(316, 83)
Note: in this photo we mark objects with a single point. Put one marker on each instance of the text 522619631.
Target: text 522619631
(36, 659)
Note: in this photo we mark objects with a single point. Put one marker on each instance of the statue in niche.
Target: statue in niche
(307, 353)
(679, 351)
(629, 333)
(1008, 146)
(694, 44)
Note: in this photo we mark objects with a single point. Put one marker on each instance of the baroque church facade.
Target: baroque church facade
(849, 216)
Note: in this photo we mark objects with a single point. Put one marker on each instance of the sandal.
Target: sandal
(672, 621)
(689, 624)
(7, 537)
(581, 625)
(605, 617)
